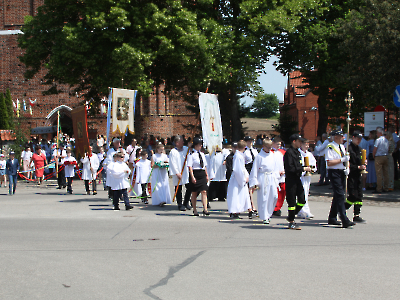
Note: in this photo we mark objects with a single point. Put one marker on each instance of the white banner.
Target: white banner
(210, 121)
(123, 111)
(373, 120)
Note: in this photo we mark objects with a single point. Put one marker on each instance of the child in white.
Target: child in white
(265, 174)
(306, 180)
(143, 170)
(69, 163)
(238, 198)
(136, 188)
(119, 171)
(159, 179)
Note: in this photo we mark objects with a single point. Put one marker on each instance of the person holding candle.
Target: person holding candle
(354, 185)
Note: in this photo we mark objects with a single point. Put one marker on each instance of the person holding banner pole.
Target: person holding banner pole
(59, 157)
(179, 172)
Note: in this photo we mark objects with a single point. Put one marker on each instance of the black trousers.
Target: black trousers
(354, 187)
(188, 192)
(395, 162)
(144, 191)
(217, 189)
(61, 178)
(337, 179)
(117, 194)
(94, 186)
(69, 184)
(294, 188)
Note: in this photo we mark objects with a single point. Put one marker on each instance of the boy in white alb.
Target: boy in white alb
(119, 171)
(217, 188)
(90, 164)
(238, 198)
(69, 163)
(143, 170)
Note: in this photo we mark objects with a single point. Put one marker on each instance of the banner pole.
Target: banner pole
(58, 140)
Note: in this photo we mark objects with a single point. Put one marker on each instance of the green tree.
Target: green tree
(287, 126)
(264, 106)
(3, 113)
(9, 106)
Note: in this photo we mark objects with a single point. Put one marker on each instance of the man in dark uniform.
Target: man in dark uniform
(336, 164)
(294, 187)
(354, 184)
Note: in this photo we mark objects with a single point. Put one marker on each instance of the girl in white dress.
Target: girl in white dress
(136, 188)
(265, 174)
(159, 179)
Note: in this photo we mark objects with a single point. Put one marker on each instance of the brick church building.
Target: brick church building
(302, 105)
(157, 115)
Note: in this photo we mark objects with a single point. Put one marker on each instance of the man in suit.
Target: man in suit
(12, 168)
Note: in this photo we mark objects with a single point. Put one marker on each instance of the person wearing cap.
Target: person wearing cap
(294, 187)
(250, 154)
(59, 157)
(380, 154)
(3, 164)
(336, 160)
(354, 184)
(229, 161)
(180, 173)
(197, 165)
(12, 168)
(39, 160)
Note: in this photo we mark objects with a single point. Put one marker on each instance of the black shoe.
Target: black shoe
(94, 193)
(187, 206)
(294, 226)
(116, 208)
(277, 213)
(236, 216)
(87, 193)
(206, 213)
(146, 202)
(182, 208)
(348, 224)
(358, 219)
(334, 222)
(377, 192)
(128, 207)
(250, 214)
(59, 188)
(208, 205)
(64, 186)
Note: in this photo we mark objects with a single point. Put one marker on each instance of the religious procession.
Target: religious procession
(254, 182)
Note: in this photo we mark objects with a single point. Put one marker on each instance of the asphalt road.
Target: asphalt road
(59, 246)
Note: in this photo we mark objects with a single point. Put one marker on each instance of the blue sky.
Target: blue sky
(273, 82)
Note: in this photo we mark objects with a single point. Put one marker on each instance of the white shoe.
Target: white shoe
(310, 216)
(266, 221)
(302, 215)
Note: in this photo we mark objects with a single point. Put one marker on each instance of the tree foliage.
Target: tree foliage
(3, 112)
(264, 106)
(10, 109)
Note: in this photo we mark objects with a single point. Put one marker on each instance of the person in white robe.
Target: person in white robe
(305, 212)
(70, 164)
(161, 194)
(265, 174)
(136, 188)
(238, 197)
(90, 164)
(218, 184)
(119, 171)
(180, 173)
(143, 171)
(109, 160)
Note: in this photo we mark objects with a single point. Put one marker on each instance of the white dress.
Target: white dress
(176, 159)
(69, 169)
(238, 198)
(89, 164)
(265, 174)
(136, 188)
(159, 182)
(306, 181)
(143, 169)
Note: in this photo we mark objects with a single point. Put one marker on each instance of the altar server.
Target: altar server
(120, 171)
(90, 164)
(143, 170)
(238, 198)
(69, 163)
(265, 174)
(217, 169)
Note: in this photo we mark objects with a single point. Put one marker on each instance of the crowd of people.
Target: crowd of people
(275, 173)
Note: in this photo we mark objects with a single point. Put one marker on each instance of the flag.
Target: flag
(123, 108)
(210, 121)
(79, 122)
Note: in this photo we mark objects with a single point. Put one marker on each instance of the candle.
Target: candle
(363, 156)
(306, 161)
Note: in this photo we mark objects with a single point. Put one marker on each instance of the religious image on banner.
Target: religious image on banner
(210, 121)
(123, 111)
(79, 123)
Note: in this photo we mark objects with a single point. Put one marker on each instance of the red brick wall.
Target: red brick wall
(157, 115)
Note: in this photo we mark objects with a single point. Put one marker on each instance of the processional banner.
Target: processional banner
(210, 121)
(123, 111)
(79, 123)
